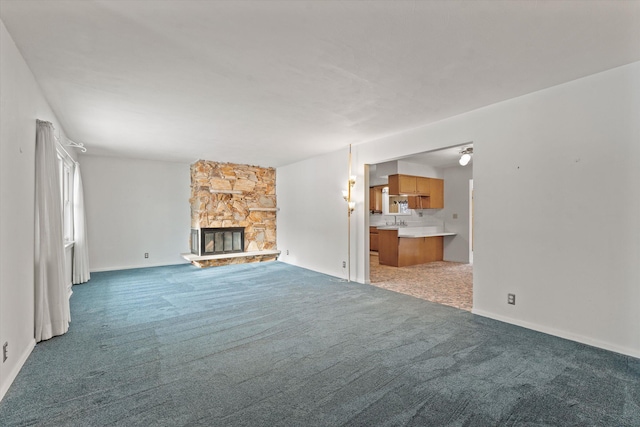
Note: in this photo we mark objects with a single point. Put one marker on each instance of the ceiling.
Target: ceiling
(274, 82)
(445, 158)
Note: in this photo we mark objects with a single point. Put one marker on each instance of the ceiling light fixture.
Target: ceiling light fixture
(465, 157)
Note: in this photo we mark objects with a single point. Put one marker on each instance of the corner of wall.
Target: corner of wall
(15, 370)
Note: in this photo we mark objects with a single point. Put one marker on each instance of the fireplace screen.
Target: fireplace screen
(211, 241)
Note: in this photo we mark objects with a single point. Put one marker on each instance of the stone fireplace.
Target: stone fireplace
(227, 198)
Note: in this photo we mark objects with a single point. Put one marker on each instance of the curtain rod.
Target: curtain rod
(65, 151)
(72, 144)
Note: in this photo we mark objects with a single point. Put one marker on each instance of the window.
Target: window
(65, 172)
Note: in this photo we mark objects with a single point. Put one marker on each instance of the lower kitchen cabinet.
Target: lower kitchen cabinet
(373, 239)
(404, 251)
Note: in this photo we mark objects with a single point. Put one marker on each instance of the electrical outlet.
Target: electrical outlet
(455, 216)
(287, 251)
(511, 299)
(146, 254)
(5, 351)
(344, 264)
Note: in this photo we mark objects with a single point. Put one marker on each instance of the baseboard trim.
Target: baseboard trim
(131, 267)
(560, 333)
(6, 384)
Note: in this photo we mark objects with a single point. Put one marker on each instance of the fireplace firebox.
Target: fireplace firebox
(213, 241)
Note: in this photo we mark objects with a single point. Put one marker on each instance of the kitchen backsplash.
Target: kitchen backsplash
(429, 217)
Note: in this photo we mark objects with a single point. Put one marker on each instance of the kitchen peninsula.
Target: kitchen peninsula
(404, 246)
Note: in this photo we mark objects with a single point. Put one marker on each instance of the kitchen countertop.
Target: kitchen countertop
(416, 232)
(416, 236)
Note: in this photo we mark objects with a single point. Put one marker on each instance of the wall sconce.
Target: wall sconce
(465, 157)
(351, 205)
(346, 194)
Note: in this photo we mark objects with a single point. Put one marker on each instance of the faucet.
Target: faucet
(396, 222)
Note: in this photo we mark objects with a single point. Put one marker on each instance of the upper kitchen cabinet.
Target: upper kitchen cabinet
(375, 198)
(436, 193)
(423, 185)
(419, 202)
(424, 193)
(402, 184)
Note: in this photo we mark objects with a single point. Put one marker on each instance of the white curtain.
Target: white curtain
(52, 315)
(81, 247)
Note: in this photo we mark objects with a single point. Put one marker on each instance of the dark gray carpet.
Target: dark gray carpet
(274, 345)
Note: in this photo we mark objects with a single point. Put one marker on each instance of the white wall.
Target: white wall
(408, 168)
(21, 103)
(556, 206)
(554, 181)
(456, 202)
(312, 221)
(135, 206)
(401, 167)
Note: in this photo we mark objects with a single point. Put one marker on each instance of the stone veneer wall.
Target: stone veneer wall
(221, 208)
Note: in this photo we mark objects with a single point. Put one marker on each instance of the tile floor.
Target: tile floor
(447, 283)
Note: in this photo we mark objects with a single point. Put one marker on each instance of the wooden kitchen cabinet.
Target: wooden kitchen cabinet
(389, 244)
(423, 185)
(375, 198)
(435, 199)
(404, 251)
(418, 202)
(373, 239)
(372, 202)
(424, 193)
(419, 251)
(402, 184)
(436, 195)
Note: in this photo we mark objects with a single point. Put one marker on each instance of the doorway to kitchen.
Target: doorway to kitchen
(448, 281)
